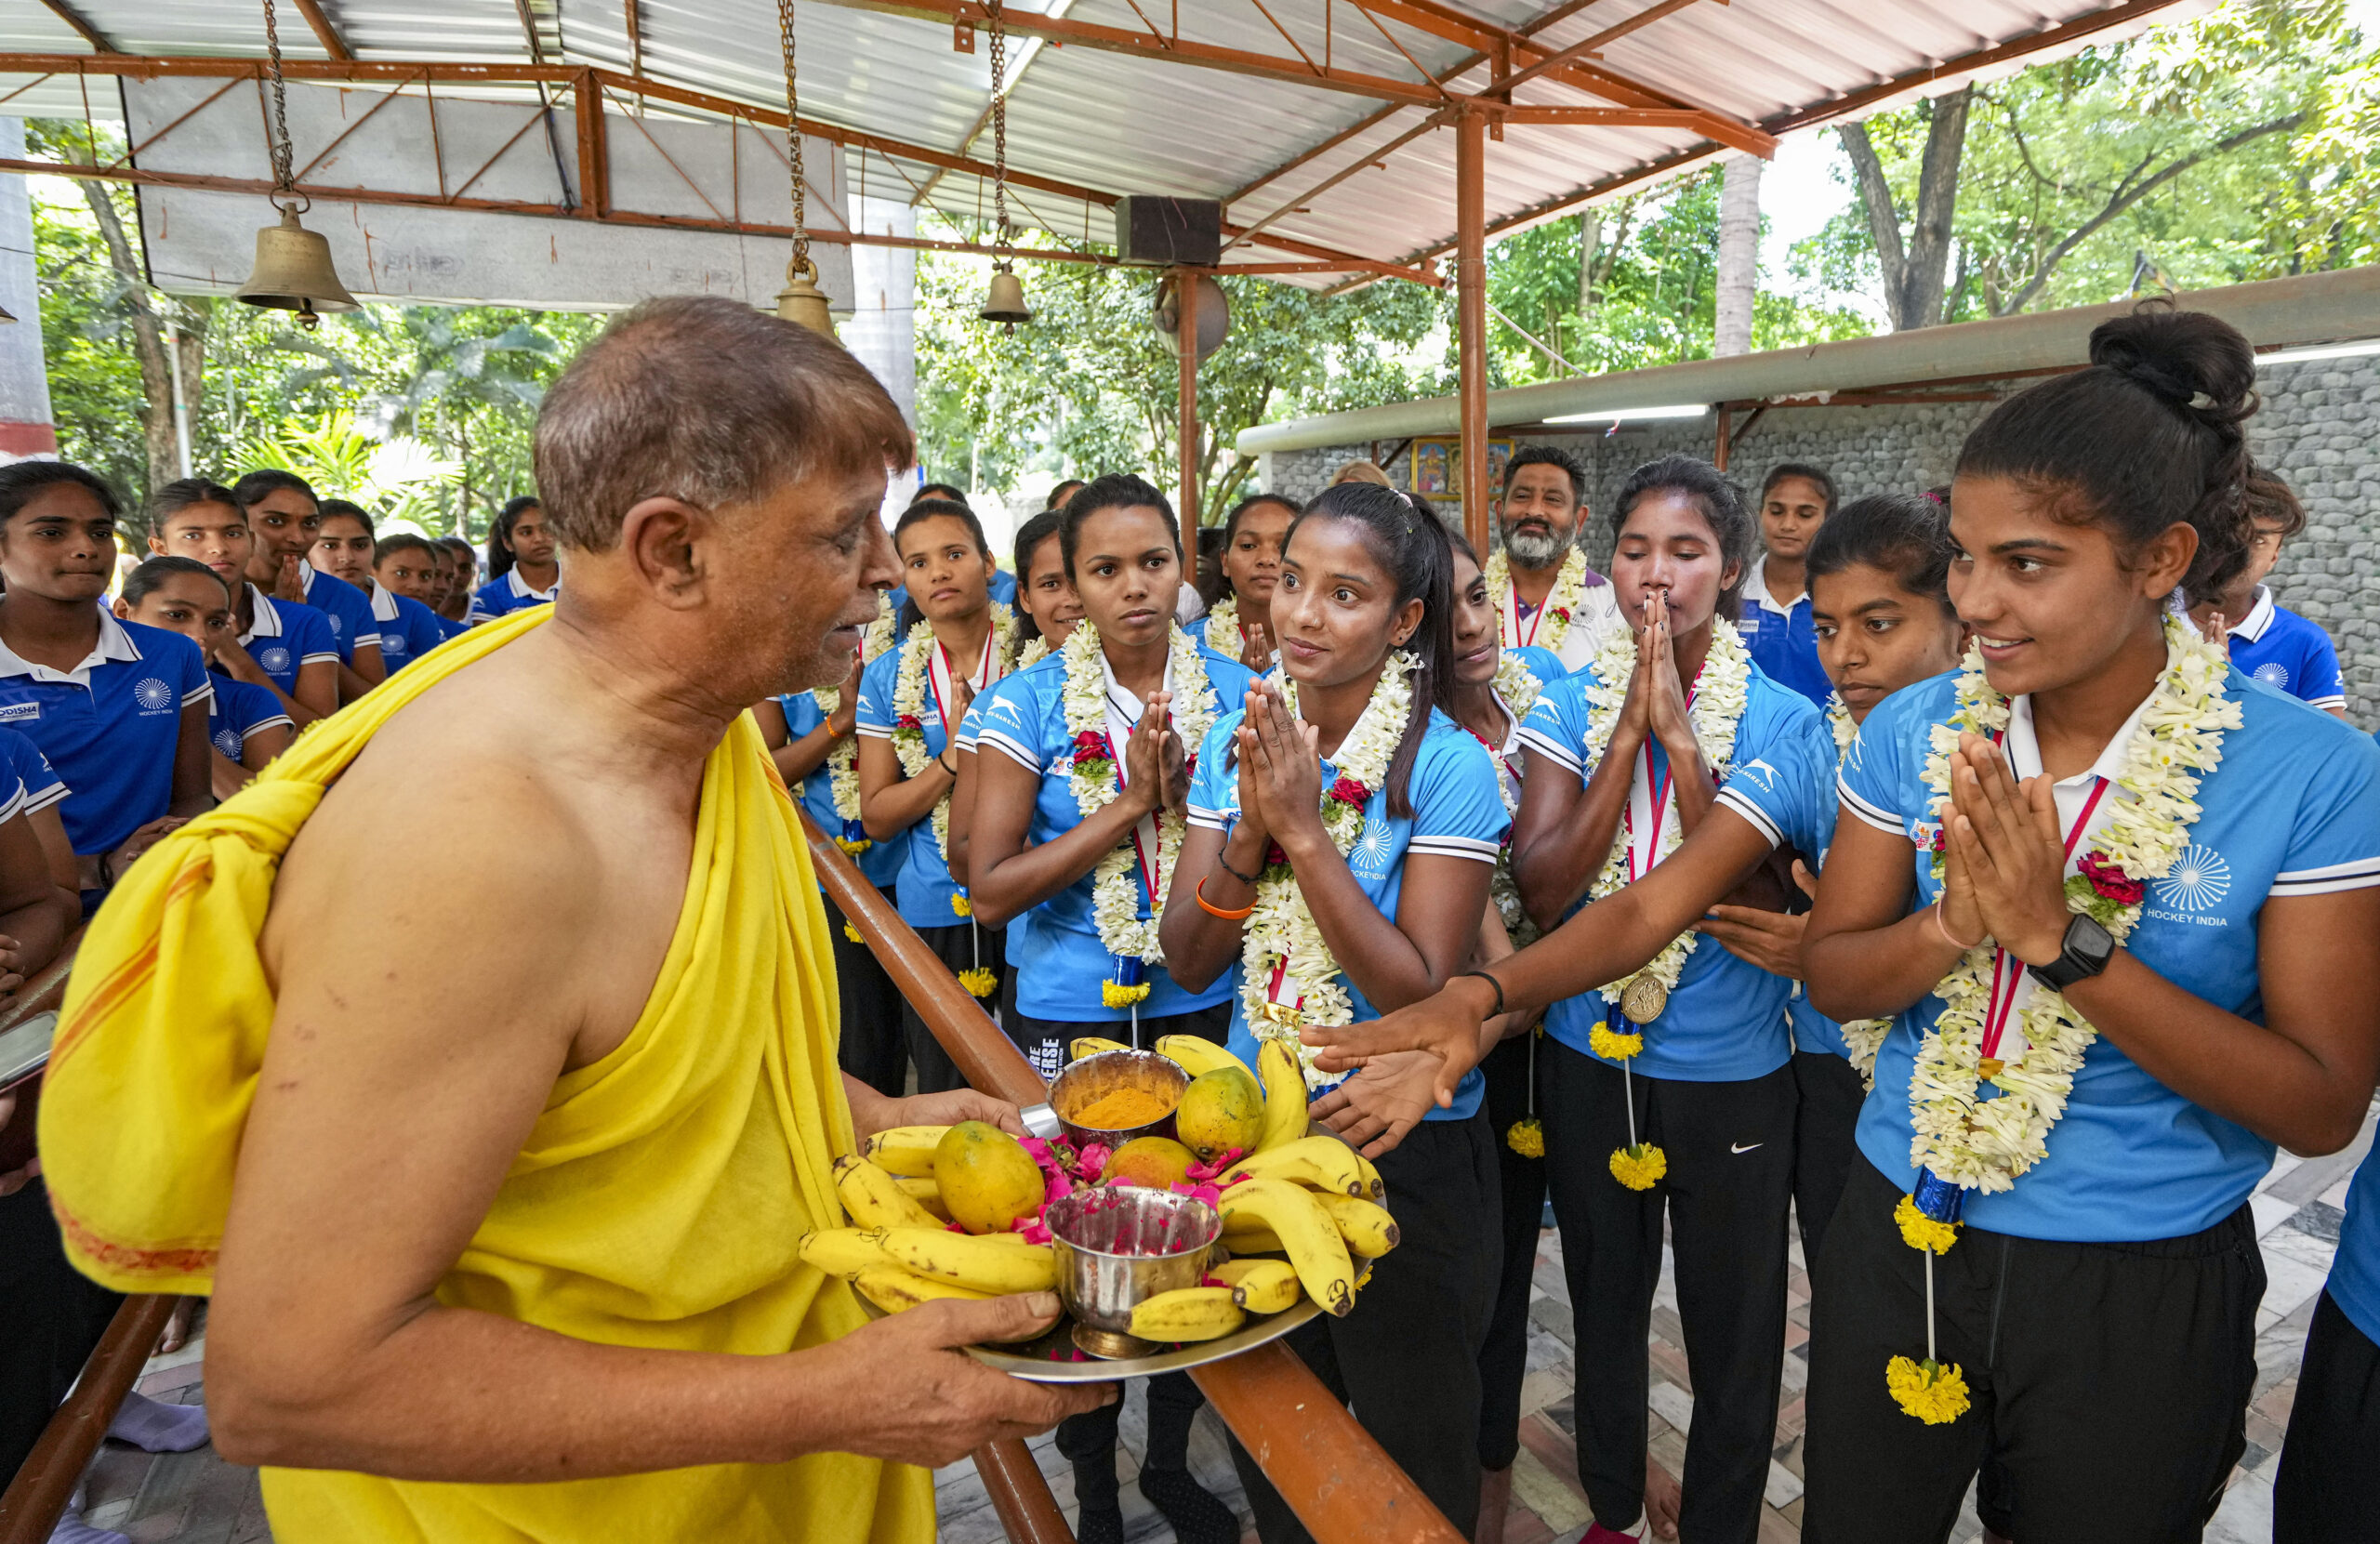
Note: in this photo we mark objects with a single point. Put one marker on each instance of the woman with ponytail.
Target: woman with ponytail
(1343, 832)
(2121, 900)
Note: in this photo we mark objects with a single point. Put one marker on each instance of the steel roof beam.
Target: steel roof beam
(324, 33)
(83, 29)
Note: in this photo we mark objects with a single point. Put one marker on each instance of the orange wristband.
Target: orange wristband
(1213, 910)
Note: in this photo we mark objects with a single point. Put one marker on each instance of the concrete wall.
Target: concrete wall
(2316, 428)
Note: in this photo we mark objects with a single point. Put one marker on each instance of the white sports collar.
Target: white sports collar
(384, 604)
(115, 646)
(1756, 589)
(2259, 617)
(267, 623)
(512, 578)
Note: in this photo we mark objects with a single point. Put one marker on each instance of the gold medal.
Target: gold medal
(1644, 999)
(1282, 1013)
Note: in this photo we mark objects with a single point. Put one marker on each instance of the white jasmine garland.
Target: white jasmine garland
(909, 703)
(1863, 1037)
(1280, 933)
(1518, 689)
(842, 760)
(1115, 887)
(1223, 635)
(1987, 1143)
(1562, 601)
(1036, 650)
(1718, 707)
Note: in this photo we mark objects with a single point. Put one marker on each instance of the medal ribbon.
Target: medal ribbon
(1650, 794)
(2007, 971)
(1513, 605)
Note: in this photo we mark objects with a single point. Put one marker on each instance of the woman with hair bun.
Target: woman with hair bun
(2121, 902)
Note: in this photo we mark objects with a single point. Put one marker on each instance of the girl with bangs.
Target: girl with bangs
(1238, 626)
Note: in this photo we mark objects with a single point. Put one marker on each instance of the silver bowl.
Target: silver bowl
(1117, 1247)
(1083, 1083)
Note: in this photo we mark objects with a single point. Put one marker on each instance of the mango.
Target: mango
(988, 1182)
(1157, 1161)
(1223, 1108)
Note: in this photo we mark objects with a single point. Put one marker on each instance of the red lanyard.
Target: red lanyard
(1660, 786)
(2007, 971)
(933, 680)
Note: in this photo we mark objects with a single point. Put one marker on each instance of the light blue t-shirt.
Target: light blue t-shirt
(2355, 1271)
(284, 637)
(881, 863)
(111, 727)
(2292, 809)
(925, 891)
(2283, 650)
(1457, 813)
(238, 710)
(346, 608)
(1059, 961)
(1724, 1022)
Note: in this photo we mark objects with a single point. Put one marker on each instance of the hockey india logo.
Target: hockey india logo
(2200, 880)
(228, 742)
(153, 695)
(2273, 673)
(273, 660)
(1369, 855)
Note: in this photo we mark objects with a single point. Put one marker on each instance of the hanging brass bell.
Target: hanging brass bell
(1006, 301)
(802, 302)
(294, 272)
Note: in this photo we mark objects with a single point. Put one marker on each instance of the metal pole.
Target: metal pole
(1471, 287)
(1185, 302)
(182, 397)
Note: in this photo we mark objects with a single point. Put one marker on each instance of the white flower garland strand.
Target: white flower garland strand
(1562, 601)
(909, 703)
(1223, 634)
(1116, 885)
(1280, 931)
(1517, 688)
(1986, 1145)
(1862, 1037)
(1718, 705)
(842, 760)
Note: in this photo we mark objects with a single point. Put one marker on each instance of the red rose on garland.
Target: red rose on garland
(2113, 883)
(908, 721)
(1091, 746)
(1348, 791)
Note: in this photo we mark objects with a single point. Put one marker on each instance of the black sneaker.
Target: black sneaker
(1198, 1517)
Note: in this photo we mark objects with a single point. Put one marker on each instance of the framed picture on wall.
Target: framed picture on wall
(1436, 465)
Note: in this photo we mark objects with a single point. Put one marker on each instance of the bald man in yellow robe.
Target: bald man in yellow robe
(480, 1059)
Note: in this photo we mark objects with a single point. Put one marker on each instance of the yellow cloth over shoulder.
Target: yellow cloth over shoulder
(657, 1202)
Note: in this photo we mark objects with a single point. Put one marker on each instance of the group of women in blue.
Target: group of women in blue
(2092, 908)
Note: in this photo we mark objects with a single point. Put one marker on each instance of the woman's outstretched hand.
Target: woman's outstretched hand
(1446, 1024)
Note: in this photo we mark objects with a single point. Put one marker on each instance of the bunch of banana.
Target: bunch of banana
(1276, 1072)
(1091, 1044)
(1322, 1232)
(901, 1267)
(906, 1151)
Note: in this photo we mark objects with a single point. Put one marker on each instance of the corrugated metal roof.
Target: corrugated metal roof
(1132, 124)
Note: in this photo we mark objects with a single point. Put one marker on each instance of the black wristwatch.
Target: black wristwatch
(2088, 949)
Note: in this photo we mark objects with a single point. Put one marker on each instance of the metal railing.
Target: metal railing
(1330, 1470)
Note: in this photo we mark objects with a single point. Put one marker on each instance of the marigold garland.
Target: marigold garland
(1639, 1166)
(1612, 1045)
(1280, 933)
(979, 982)
(1932, 1391)
(1921, 1232)
(1527, 1136)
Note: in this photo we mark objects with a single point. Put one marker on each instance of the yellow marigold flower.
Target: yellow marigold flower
(962, 905)
(1932, 1391)
(1639, 1167)
(979, 982)
(852, 933)
(1921, 1232)
(1114, 993)
(854, 848)
(1526, 1137)
(1613, 1046)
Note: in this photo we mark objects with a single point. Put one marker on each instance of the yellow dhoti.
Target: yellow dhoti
(657, 1203)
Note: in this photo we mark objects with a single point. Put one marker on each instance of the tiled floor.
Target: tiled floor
(195, 1498)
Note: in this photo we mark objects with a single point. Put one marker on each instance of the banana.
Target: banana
(1320, 1163)
(905, 1150)
(1188, 1314)
(844, 1251)
(1372, 1185)
(1307, 1231)
(875, 1198)
(926, 1194)
(893, 1289)
(1368, 1230)
(1285, 1118)
(1091, 1044)
(1251, 1239)
(1260, 1285)
(982, 1262)
(1194, 1056)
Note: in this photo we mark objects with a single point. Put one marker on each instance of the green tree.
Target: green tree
(1089, 387)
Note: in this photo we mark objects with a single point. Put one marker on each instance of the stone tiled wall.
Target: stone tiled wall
(2318, 429)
